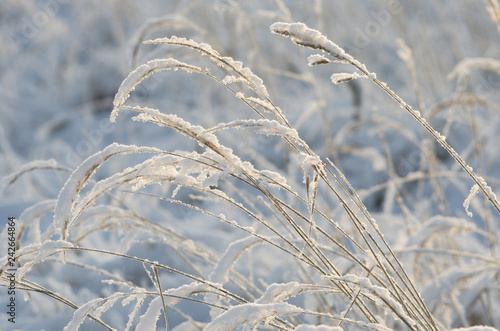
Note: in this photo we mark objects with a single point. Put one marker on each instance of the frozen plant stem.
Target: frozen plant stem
(304, 36)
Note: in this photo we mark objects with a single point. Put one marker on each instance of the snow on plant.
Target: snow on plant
(304, 36)
(337, 270)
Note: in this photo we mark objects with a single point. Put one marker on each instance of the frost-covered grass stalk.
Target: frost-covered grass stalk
(300, 247)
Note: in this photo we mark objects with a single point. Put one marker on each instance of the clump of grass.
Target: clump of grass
(306, 220)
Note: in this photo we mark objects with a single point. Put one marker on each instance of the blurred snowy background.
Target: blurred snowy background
(61, 63)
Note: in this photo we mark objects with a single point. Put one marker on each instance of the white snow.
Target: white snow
(141, 73)
(344, 77)
(305, 36)
(30, 166)
(229, 79)
(251, 155)
(149, 319)
(248, 316)
(49, 248)
(305, 327)
(70, 192)
(382, 295)
(472, 194)
(276, 293)
(231, 255)
(31, 218)
(435, 225)
(476, 328)
(81, 314)
(465, 66)
(317, 59)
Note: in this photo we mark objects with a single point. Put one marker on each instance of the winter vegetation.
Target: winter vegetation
(250, 165)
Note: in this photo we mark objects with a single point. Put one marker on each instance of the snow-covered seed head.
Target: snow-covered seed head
(305, 36)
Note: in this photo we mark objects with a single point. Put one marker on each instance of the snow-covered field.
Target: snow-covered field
(195, 165)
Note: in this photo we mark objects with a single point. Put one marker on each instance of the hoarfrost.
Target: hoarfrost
(263, 126)
(371, 261)
(229, 258)
(186, 326)
(174, 295)
(371, 154)
(344, 77)
(307, 160)
(31, 217)
(254, 81)
(279, 292)
(30, 166)
(49, 248)
(128, 175)
(142, 72)
(317, 59)
(463, 68)
(78, 179)
(304, 36)
(472, 194)
(81, 313)
(307, 37)
(139, 301)
(444, 283)
(382, 296)
(150, 318)
(109, 302)
(275, 179)
(202, 47)
(435, 225)
(250, 315)
(232, 79)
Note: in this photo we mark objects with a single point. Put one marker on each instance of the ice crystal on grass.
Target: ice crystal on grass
(472, 194)
(26, 168)
(69, 194)
(343, 77)
(248, 316)
(317, 59)
(141, 73)
(305, 36)
(302, 35)
(245, 74)
(304, 327)
(150, 317)
(247, 226)
(81, 314)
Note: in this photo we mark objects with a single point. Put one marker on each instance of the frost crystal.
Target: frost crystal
(304, 36)
(317, 59)
(229, 258)
(149, 319)
(81, 313)
(142, 72)
(79, 178)
(279, 292)
(250, 315)
(30, 166)
(305, 327)
(472, 194)
(49, 248)
(246, 75)
(344, 77)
